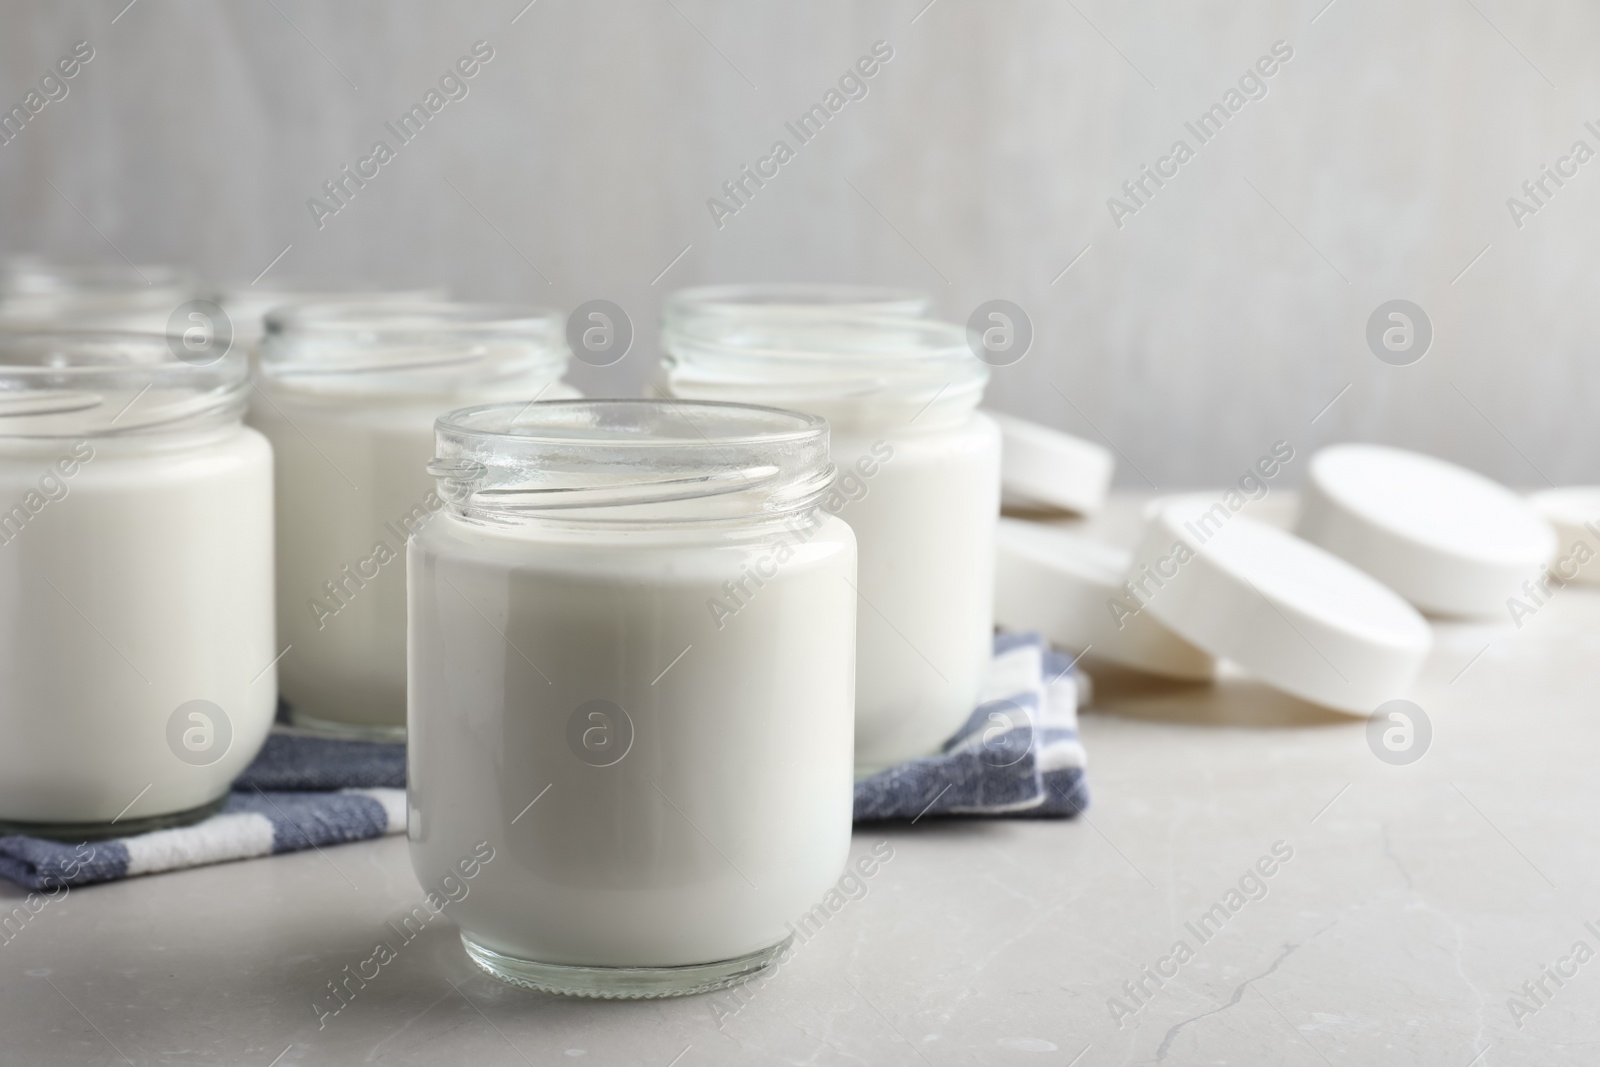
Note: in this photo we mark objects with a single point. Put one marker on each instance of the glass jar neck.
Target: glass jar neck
(247, 306)
(630, 464)
(398, 350)
(64, 384)
(428, 398)
(640, 532)
(789, 301)
(36, 293)
(865, 374)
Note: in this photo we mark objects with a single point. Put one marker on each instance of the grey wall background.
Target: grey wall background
(1223, 316)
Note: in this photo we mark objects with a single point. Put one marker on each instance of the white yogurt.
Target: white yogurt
(666, 782)
(925, 524)
(135, 578)
(901, 394)
(348, 395)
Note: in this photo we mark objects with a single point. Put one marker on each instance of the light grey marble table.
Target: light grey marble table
(1417, 902)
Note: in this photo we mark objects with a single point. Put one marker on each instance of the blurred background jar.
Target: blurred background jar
(918, 479)
(348, 395)
(136, 602)
(247, 305)
(40, 293)
(778, 301)
(791, 300)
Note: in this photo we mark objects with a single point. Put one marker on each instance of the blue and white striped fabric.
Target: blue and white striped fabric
(299, 793)
(1018, 755)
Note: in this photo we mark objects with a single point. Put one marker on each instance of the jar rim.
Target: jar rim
(797, 298)
(468, 422)
(32, 276)
(59, 382)
(629, 462)
(345, 348)
(271, 298)
(247, 307)
(308, 293)
(360, 315)
(896, 337)
(855, 368)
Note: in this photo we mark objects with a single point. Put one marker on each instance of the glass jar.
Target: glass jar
(632, 676)
(348, 394)
(37, 293)
(918, 480)
(136, 630)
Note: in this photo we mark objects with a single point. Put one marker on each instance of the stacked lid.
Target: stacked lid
(1331, 612)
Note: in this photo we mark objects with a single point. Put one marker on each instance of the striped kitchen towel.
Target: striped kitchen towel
(1018, 755)
(285, 801)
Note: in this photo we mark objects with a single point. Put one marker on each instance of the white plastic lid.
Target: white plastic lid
(1277, 509)
(1062, 585)
(1574, 511)
(1041, 468)
(1283, 609)
(1447, 539)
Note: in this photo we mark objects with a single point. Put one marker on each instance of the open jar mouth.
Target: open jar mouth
(629, 462)
(248, 305)
(84, 383)
(31, 276)
(828, 360)
(436, 346)
(35, 293)
(791, 300)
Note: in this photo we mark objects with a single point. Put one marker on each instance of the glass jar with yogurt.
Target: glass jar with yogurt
(136, 608)
(918, 480)
(348, 394)
(664, 782)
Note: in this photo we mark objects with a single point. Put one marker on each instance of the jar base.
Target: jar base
(72, 832)
(345, 731)
(623, 983)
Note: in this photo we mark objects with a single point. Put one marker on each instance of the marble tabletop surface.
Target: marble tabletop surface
(1421, 914)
